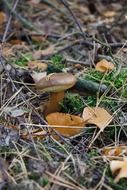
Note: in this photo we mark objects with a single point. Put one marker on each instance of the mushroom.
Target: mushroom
(56, 84)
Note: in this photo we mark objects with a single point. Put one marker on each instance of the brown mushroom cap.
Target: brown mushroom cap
(56, 82)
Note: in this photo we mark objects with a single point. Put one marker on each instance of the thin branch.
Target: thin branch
(108, 45)
(65, 3)
(24, 21)
(91, 44)
(9, 20)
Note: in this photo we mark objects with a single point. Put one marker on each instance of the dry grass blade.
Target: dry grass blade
(9, 101)
(60, 181)
(63, 152)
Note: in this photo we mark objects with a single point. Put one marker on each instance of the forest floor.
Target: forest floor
(40, 37)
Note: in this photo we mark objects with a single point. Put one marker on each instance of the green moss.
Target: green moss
(23, 60)
(4, 149)
(57, 64)
(94, 75)
(110, 104)
(17, 168)
(38, 178)
(43, 182)
(72, 103)
(93, 153)
(34, 176)
(90, 101)
(116, 79)
(105, 102)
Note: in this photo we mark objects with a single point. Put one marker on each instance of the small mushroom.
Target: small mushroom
(56, 84)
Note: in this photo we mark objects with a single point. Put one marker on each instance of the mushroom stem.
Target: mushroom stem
(53, 103)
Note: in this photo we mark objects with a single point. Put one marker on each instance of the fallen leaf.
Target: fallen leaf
(14, 112)
(8, 134)
(7, 52)
(66, 124)
(3, 18)
(37, 65)
(109, 14)
(38, 76)
(119, 167)
(16, 41)
(32, 133)
(104, 66)
(112, 152)
(39, 53)
(36, 38)
(35, 134)
(97, 116)
(124, 50)
(48, 50)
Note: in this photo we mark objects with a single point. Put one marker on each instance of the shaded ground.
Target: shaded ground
(69, 37)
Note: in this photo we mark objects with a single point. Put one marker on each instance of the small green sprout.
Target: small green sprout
(23, 60)
(57, 64)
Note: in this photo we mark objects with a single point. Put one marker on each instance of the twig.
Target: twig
(91, 44)
(51, 4)
(108, 45)
(57, 152)
(23, 20)
(9, 20)
(116, 22)
(87, 64)
(76, 42)
(65, 3)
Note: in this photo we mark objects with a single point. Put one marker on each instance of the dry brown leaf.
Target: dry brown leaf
(104, 66)
(37, 65)
(39, 53)
(35, 134)
(3, 18)
(66, 124)
(7, 52)
(119, 167)
(13, 127)
(38, 76)
(109, 14)
(16, 41)
(39, 39)
(48, 50)
(98, 116)
(124, 50)
(112, 152)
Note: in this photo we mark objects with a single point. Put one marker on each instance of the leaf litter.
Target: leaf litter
(98, 116)
(47, 30)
